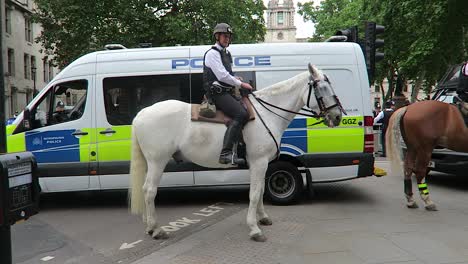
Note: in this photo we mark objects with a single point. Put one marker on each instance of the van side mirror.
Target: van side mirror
(27, 119)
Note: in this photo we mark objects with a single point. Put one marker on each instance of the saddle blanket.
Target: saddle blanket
(220, 116)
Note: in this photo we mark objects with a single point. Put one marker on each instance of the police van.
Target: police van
(89, 149)
(443, 159)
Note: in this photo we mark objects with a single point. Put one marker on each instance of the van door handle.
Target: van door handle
(79, 133)
(107, 131)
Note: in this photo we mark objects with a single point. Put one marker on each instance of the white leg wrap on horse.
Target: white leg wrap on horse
(426, 199)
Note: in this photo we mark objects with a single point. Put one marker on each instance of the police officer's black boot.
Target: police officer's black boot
(230, 137)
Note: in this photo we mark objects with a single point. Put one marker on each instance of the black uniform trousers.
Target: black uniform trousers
(231, 107)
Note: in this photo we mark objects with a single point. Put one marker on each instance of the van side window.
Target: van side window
(124, 97)
(248, 77)
(57, 105)
(196, 86)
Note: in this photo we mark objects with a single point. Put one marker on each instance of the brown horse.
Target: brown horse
(423, 126)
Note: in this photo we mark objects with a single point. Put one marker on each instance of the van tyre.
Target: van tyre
(283, 183)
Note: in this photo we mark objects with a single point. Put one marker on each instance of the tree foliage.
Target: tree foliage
(72, 28)
(422, 38)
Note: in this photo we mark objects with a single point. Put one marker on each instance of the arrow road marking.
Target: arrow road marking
(47, 258)
(129, 245)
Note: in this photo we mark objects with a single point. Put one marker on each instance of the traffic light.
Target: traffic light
(371, 46)
(351, 34)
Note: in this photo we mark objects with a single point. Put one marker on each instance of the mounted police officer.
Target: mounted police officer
(219, 84)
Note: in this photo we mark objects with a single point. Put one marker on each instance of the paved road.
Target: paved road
(360, 221)
(97, 227)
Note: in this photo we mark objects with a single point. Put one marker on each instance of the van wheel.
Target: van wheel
(283, 183)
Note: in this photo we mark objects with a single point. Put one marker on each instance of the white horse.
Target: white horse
(166, 128)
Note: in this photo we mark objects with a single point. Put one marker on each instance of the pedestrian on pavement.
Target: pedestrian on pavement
(376, 110)
(383, 118)
(219, 84)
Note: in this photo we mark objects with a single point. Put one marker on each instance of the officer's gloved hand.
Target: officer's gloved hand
(244, 92)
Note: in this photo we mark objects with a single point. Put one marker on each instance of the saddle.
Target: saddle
(220, 117)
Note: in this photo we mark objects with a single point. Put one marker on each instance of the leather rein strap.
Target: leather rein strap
(313, 114)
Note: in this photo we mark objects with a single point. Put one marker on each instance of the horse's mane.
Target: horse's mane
(283, 86)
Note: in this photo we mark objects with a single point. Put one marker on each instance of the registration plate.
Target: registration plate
(431, 164)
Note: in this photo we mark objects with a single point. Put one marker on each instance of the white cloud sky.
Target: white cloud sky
(303, 29)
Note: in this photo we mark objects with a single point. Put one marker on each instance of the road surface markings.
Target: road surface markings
(184, 221)
(129, 245)
(47, 258)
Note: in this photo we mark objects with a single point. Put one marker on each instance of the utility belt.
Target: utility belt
(217, 88)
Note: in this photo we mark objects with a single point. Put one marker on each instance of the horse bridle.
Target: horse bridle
(313, 83)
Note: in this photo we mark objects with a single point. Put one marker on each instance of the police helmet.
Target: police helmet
(389, 104)
(222, 28)
(60, 104)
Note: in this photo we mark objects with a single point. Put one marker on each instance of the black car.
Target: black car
(445, 160)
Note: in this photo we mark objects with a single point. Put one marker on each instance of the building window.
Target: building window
(45, 70)
(11, 62)
(280, 18)
(33, 67)
(51, 70)
(28, 33)
(8, 19)
(27, 67)
(376, 88)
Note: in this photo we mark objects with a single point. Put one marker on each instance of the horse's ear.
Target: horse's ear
(314, 71)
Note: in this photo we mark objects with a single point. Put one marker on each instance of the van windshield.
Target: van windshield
(451, 78)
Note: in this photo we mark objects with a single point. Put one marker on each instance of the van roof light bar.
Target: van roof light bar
(337, 39)
(114, 46)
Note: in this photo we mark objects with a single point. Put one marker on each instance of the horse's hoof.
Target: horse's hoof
(161, 235)
(265, 221)
(259, 238)
(431, 207)
(412, 205)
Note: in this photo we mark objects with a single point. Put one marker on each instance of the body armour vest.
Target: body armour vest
(386, 117)
(208, 76)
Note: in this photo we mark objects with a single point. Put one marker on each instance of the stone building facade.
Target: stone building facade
(26, 69)
(280, 21)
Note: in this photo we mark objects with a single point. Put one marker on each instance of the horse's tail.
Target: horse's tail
(138, 169)
(394, 141)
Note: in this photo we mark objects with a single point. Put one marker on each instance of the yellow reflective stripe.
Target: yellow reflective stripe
(423, 188)
(16, 143)
(346, 121)
(88, 145)
(10, 129)
(348, 137)
(115, 146)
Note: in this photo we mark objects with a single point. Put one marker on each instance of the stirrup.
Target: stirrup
(231, 158)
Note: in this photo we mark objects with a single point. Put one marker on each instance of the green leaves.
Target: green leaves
(422, 38)
(73, 28)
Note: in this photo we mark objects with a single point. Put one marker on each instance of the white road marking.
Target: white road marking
(47, 258)
(129, 245)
